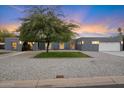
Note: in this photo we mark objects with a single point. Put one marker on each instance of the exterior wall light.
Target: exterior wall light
(121, 42)
(33, 42)
(20, 42)
(82, 42)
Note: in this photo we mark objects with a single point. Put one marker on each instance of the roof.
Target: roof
(104, 39)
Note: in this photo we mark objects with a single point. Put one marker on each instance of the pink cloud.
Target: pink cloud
(91, 28)
(107, 26)
(11, 27)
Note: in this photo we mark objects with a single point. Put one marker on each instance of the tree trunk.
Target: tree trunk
(48, 43)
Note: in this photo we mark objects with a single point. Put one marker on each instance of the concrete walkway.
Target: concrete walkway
(71, 82)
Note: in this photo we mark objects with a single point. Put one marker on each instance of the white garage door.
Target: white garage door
(109, 46)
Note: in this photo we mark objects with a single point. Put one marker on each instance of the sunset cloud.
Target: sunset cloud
(10, 27)
(92, 28)
(102, 26)
(92, 20)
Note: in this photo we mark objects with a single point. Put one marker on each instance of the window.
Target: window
(81, 42)
(95, 42)
(14, 45)
(72, 45)
(61, 45)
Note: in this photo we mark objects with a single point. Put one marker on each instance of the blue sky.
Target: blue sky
(93, 20)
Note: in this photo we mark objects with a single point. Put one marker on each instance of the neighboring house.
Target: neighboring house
(2, 45)
(12, 44)
(83, 43)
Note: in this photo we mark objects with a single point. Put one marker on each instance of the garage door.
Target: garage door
(109, 46)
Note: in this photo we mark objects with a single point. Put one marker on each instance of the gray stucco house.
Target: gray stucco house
(83, 43)
(16, 44)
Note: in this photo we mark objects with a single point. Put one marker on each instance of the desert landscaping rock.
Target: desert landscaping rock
(24, 67)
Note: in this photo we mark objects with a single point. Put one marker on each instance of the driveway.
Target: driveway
(119, 53)
(24, 67)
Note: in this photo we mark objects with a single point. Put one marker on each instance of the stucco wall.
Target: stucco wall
(8, 43)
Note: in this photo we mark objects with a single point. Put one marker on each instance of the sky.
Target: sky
(94, 20)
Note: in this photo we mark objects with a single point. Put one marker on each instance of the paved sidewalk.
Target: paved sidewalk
(70, 82)
(120, 53)
(11, 54)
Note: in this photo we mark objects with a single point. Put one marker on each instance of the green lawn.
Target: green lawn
(61, 55)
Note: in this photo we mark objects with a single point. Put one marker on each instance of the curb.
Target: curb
(63, 83)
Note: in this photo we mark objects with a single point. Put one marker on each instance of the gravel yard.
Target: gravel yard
(25, 67)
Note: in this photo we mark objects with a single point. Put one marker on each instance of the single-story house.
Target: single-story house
(2, 45)
(83, 43)
(16, 44)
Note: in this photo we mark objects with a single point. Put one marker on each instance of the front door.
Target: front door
(61, 45)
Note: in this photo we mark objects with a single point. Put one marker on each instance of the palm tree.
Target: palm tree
(120, 30)
(44, 24)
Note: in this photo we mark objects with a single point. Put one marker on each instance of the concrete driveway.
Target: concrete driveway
(119, 53)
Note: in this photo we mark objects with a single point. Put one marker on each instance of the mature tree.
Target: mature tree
(4, 34)
(45, 24)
